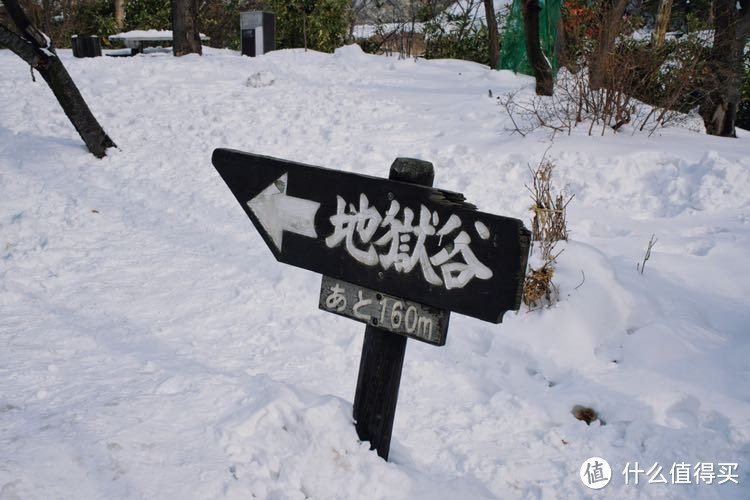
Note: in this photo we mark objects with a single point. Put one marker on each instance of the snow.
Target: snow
(151, 346)
(147, 35)
(705, 37)
(260, 79)
(133, 39)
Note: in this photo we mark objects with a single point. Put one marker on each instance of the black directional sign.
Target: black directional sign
(395, 254)
(419, 243)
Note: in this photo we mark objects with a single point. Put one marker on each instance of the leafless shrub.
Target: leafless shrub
(548, 226)
(634, 86)
(575, 103)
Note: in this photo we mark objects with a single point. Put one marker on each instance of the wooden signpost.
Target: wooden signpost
(395, 254)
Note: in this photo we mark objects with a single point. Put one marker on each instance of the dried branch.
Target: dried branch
(651, 244)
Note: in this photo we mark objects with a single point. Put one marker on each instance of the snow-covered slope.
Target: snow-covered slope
(151, 347)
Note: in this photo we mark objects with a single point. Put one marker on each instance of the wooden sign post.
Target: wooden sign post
(395, 254)
(383, 353)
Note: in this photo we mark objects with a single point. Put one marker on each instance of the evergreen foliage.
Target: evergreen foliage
(148, 14)
(325, 23)
(95, 17)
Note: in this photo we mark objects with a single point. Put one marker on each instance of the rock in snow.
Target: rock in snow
(260, 79)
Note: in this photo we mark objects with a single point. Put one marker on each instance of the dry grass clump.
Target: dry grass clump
(538, 288)
(548, 226)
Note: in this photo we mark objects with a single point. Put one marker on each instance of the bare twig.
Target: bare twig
(651, 244)
(583, 280)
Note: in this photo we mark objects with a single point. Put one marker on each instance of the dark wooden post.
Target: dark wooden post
(383, 352)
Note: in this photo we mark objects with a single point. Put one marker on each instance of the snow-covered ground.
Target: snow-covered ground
(151, 347)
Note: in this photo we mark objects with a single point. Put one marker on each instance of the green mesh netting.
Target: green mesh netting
(513, 50)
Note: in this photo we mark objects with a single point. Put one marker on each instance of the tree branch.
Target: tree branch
(35, 48)
(22, 22)
(19, 46)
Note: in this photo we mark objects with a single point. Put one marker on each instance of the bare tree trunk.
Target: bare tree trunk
(47, 15)
(662, 23)
(561, 47)
(539, 62)
(304, 29)
(494, 45)
(743, 27)
(410, 39)
(353, 12)
(185, 35)
(611, 25)
(119, 13)
(35, 48)
(721, 100)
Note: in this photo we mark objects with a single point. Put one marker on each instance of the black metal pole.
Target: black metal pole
(383, 352)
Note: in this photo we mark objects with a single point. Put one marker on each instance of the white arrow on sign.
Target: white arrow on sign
(278, 212)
